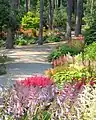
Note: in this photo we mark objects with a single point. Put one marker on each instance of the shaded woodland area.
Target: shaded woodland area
(51, 13)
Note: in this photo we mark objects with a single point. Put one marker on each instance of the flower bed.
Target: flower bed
(39, 96)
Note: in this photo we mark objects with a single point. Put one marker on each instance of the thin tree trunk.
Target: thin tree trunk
(12, 28)
(29, 2)
(75, 7)
(79, 17)
(10, 39)
(40, 41)
(51, 12)
(59, 3)
(26, 5)
(17, 3)
(56, 3)
(69, 17)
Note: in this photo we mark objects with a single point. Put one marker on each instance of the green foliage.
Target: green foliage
(63, 50)
(30, 20)
(25, 40)
(21, 41)
(90, 34)
(32, 40)
(89, 12)
(9, 16)
(4, 11)
(60, 17)
(53, 38)
(90, 52)
(2, 43)
(67, 74)
(44, 115)
(90, 21)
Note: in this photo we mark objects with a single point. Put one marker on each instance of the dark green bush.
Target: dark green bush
(63, 50)
(90, 34)
(32, 40)
(60, 17)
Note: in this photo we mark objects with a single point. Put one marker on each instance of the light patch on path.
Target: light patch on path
(26, 61)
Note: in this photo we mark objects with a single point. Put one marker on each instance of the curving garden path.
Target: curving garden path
(26, 60)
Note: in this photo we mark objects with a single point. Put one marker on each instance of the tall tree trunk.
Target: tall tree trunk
(10, 39)
(51, 12)
(12, 28)
(26, 5)
(40, 41)
(75, 7)
(17, 3)
(79, 17)
(56, 3)
(29, 3)
(59, 3)
(69, 17)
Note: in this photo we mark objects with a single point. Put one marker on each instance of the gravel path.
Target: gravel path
(26, 61)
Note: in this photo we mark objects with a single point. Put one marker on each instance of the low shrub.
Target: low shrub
(21, 41)
(32, 40)
(64, 74)
(77, 43)
(63, 50)
(53, 38)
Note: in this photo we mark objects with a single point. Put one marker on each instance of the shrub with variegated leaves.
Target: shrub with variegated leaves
(85, 105)
(38, 98)
(28, 94)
